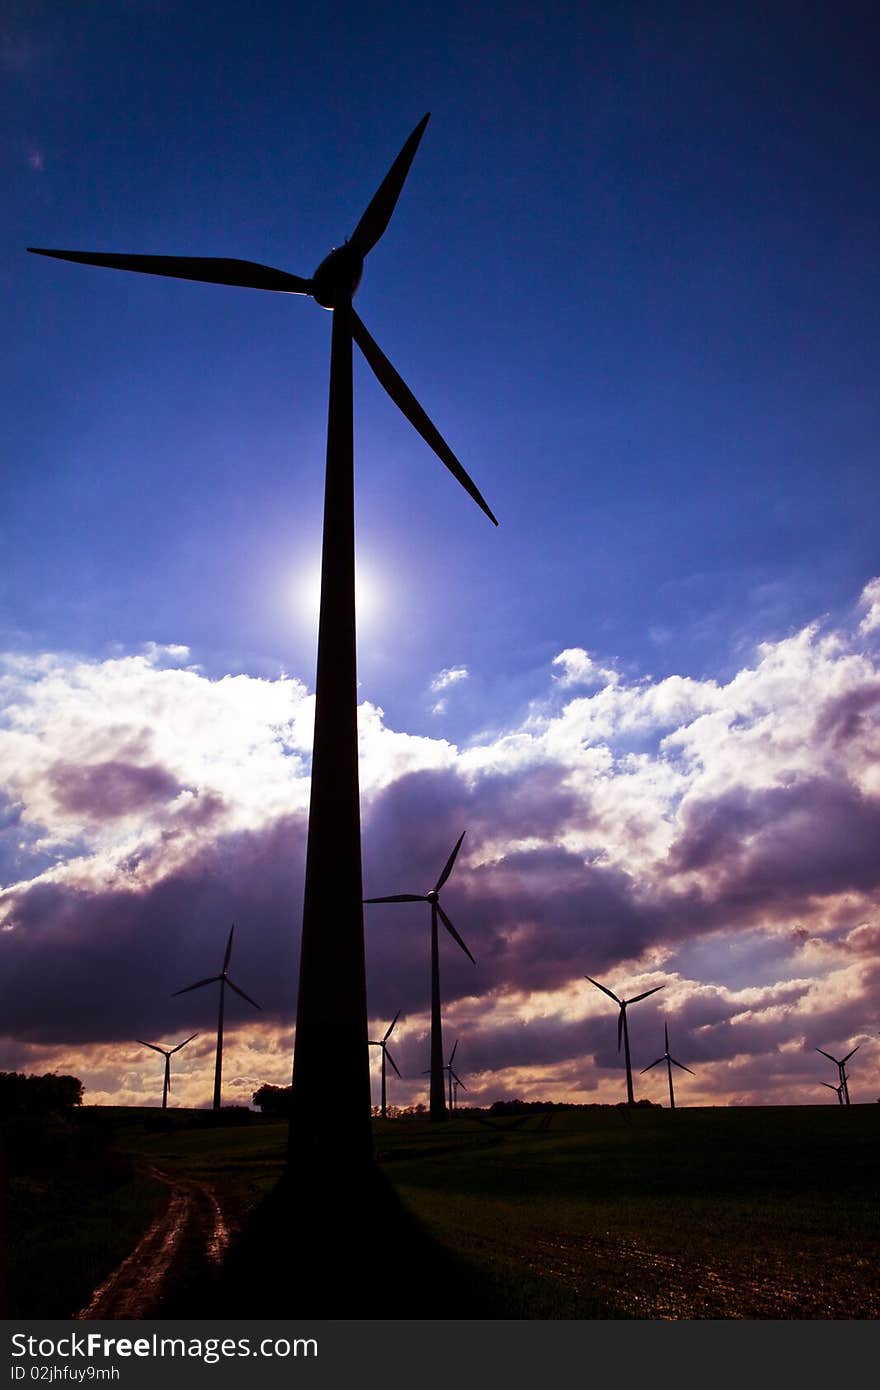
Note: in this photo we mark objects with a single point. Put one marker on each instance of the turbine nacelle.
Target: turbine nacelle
(337, 277)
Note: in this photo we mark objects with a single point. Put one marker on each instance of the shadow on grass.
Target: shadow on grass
(325, 1247)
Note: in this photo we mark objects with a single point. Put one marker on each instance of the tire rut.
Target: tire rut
(193, 1220)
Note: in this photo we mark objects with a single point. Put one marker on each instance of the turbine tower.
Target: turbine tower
(841, 1069)
(383, 1043)
(622, 1031)
(167, 1054)
(437, 1107)
(670, 1063)
(331, 1076)
(224, 980)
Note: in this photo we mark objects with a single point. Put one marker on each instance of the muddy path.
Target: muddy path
(191, 1234)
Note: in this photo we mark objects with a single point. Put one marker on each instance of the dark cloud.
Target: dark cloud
(845, 718)
(86, 966)
(104, 791)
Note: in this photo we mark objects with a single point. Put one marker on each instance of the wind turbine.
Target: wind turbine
(670, 1062)
(383, 1043)
(838, 1090)
(841, 1069)
(167, 1054)
(224, 980)
(331, 1076)
(622, 1030)
(437, 1108)
(452, 1079)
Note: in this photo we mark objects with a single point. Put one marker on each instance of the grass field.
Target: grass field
(595, 1213)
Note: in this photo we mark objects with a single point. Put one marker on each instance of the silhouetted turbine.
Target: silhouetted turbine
(841, 1069)
(622, 1030)
(167, 1054)
(383, 1043)
(838, 1090)
(452, 1079)
(437, 1108)
(224, 980)
(670, 1063)
(331, 1091)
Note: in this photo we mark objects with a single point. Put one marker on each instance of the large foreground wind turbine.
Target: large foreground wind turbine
(622, 1030)
(670, 1063)
(224, 980)
(841, 1069)
(437, 1108)
(383, 1043)
(331, 1090)
(167, 1054)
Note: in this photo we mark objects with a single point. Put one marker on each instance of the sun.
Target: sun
(369, 595)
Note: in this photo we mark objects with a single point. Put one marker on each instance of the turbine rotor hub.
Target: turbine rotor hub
(433, 896)
(338, 276)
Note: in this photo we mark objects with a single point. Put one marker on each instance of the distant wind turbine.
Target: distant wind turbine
(167, 1054)
(452, 1079)
(838, 1090)
(331, 1091)
(224, 980)
(437, 1108)
(841, 1069)
(622, 1031)
(670, 1063)
(383, 1043)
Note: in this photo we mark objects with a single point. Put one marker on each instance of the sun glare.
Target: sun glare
(369, 595)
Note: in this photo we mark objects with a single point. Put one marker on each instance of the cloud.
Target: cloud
(870, 601)
(716, 838)
(452, 675)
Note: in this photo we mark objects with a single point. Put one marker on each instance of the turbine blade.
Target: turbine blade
(452, 1053)
(228, 949)
(645, 995)
(211, 980)
(152, 1045)
(665, 1037)
(654, 1064)
(849, 1054)
(243, 995)
(620, 1027)
(393, 1063)
(183, 1044)
(447, 868)
(458, 1081)
(835, 1089)
(603, 989)
(216, 270)
(391, 1025)
(399, 898)
(384, 200)
(682, 1066)
(828, 1055)
(406, 402)
(453, 933)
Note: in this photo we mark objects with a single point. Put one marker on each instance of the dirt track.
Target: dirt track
(192, 1222)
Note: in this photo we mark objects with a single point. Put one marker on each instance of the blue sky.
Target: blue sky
(633, 279)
